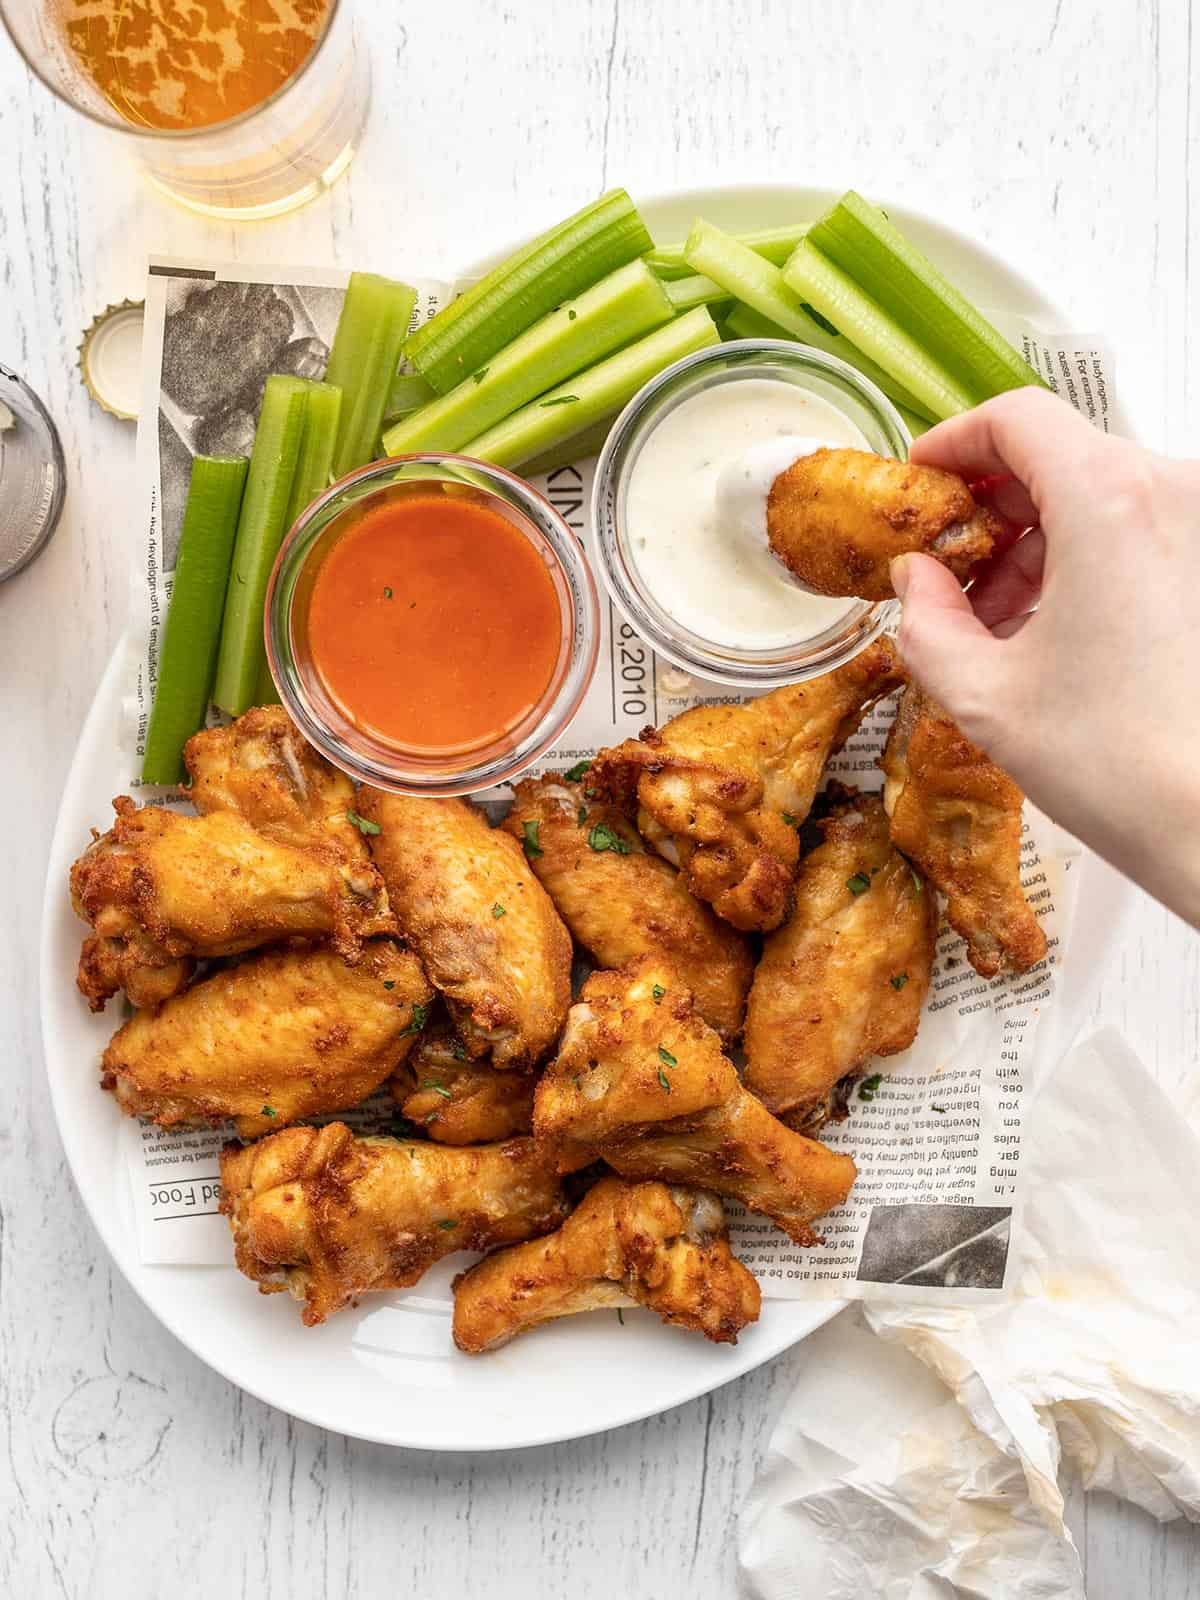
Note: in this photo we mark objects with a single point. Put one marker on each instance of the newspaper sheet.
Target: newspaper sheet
(939, 1142)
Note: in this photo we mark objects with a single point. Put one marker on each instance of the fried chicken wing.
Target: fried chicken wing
(328, 1217)
(167, 886)
(836, 518)
(844, 979)
(626, 1244)
(620, 901)
(484, 928)
(721, 788)
(958, 816)
(284, 1034)
(457, 1101)
(640, 1082)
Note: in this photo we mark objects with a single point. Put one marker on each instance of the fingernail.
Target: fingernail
(898, 568)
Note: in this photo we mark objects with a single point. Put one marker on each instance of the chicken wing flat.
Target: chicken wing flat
(845, 977)
(458, 1101)
(836, 518)
(958, 816)
(329, 1217)
(284, 1034)
(722, 788)
(169, 886)
(640, 1082)
(626, 1244)
(620, 902)
(486, 931)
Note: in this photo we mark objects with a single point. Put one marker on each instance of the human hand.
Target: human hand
(1089, 700)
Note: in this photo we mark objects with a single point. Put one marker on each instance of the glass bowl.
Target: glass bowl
(834, 381)
(365, 755)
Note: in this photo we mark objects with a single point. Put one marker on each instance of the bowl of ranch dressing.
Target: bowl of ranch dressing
(679, 505)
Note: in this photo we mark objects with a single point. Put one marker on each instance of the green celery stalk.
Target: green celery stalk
(761, 286)
(859, 238)
(592, 395)
(409, 391)
(936, 391)
(743, 322)
(773, 244)
(261, 526)
(914, 422)
(695, 290)
(619, 309)
(366, 352)
(567, 452)
(187, 659)
(527, 285)
(314, 466)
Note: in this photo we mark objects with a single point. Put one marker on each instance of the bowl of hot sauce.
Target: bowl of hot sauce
(432, 624)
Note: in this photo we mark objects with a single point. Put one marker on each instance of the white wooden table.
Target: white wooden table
(1056, 131)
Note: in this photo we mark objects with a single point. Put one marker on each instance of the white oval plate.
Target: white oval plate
(388, 1371)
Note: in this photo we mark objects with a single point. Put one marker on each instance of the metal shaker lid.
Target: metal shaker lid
(33, 475)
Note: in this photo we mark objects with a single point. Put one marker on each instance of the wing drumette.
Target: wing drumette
(640, 1082)
(328, 1216)
(721, 788)
(844, 979)
(620, 902)
(459, 1101)
(958, 816)
(836, 518)
(626, 1244)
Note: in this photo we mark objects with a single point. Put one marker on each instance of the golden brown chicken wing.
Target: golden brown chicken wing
(640, 1082)
(836, 518)
(958, 816)
(328, 1216)
(722, 788)
(844, 979)
(484, 928)
(620, 902)
(284, 1034)
(626, 1244)
(458, 1101)
(168, 886)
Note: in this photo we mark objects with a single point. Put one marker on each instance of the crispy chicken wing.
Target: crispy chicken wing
(958, 816)
(837, 517)
(328, 1216)
(167, 886)
(721, 788)
(626, 1244)
(284, 1034)
(844, 979)
(640, 1081)
(485, 929)
(457, 1101)
(620, 902)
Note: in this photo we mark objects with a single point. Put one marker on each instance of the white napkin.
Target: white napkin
(878, 1483)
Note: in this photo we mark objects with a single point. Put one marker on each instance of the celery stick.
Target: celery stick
(814, 277)
(558, 264)
(408, 393)
(261, 527)
(366, 352)
(591, 395)
(743, 322)
(619, 309)
(568, 451)
(188, 657)
(773, 244)
(315, 462)
(914, 422)
(695, 290)
(760, 285)
(860, 239)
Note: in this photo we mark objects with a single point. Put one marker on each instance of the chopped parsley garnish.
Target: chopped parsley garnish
(859, 883)
(387, 593)
(561, 400)
(575, 773)
(268, 1111)
(389, 983)
(497, 910)
(792, 822)
(581, 816)
(662, 1078)
(529, 839)
(602, 837)
(448, 1223)
(620, 1316)
(363, 824)
(867, 1088)
(899, 981)
(941, 1110)
(918, 885)
(479, 376)
(418, 1020)
(438, 1088)
(658, 991)
(665, 1055)
(458, 1050)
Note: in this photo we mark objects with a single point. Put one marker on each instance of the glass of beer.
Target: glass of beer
(237, 108)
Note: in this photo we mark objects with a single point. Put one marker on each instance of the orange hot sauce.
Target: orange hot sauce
(434, 624)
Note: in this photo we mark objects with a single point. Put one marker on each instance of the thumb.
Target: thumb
(944, 645)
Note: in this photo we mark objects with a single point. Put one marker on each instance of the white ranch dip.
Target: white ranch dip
(696, 511)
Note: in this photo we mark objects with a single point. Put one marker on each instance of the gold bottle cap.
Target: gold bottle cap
(110, 359)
